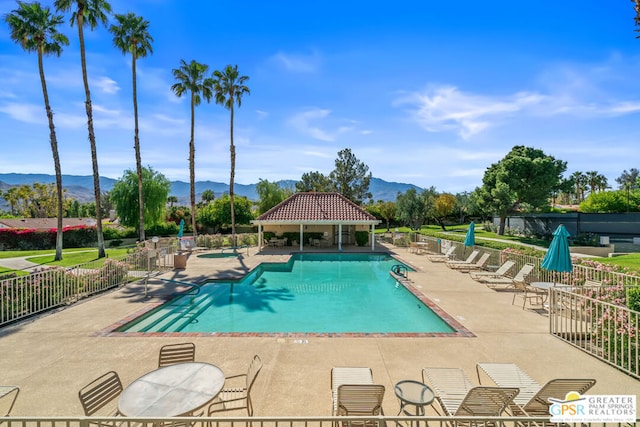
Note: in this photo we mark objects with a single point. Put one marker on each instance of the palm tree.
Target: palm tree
(229, 88)
(191, 78)
(89, 12)
(593, 179)
(579, 180)
(132, 36)
(34, 28)
(171, 200)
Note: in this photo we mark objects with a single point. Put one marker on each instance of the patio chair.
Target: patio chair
(236, 393)
(176, 353)
(501, 272)
(8, 390)
(533, 399)
(457, 396)
(472, 257)
(465, 268)
(348, 375)
(444, 257)
(528, 293)
(100, 393)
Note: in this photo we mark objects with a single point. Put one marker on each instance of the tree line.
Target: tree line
(525, 180)
(35, 28)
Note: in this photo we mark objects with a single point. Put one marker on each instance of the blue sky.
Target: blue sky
(423, 92)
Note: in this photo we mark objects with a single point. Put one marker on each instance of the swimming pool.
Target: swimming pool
(311, 293)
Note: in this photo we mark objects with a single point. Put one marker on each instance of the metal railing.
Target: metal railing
(605, 330)
(53, 287)
(347, 421)
(594, 319)
(580, 273)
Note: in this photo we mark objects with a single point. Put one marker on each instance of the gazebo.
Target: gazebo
(317, 219)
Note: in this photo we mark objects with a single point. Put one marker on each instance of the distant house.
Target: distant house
(45, 223)
(331, 215)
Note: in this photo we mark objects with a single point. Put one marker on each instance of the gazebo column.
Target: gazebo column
(260, 239)
(340, 237)
(373, 235)
(301, 236)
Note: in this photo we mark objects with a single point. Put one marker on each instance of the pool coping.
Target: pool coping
(459, 330)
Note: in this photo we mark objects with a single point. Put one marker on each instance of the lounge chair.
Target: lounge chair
(465, 268)
(236, 393)
(457, 396)
(510, 375)
(501, 272)
(557, 388)
(506, 282)
(359, 400)
(176, 353)
(348, 375)
(472, 257)
(533, 399)
(448, 255)
(355, 394)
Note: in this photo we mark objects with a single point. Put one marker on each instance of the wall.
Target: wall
(615, 224)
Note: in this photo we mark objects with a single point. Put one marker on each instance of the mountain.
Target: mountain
(80, 187)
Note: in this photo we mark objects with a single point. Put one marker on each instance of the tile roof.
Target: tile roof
(317, 207)
(45, 223)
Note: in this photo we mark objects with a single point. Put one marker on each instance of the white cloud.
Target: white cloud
(27, 113)
(306, 122)
(106, 85)
(298, 63)
(445, 108)
(302, 122)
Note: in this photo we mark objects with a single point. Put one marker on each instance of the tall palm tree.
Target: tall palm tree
(579, 180)
(592, 180)
(131, 35)
(89, 12)
(191, 78)
(229, 88)
(35, 29)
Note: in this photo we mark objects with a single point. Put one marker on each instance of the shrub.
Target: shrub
(633, 299)
(362, 238)
(248, 239)
(165, 229)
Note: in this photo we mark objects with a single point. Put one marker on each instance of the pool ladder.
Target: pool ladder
(400, 270)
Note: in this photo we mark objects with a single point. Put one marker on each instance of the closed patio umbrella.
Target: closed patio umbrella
(181, 230)
(470, 238)
(558, 256)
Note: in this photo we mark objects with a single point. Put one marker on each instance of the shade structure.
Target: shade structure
(181, 230)
(558, 256)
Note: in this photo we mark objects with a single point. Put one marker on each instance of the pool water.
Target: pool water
(312, 293)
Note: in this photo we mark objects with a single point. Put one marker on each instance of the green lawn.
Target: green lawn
(13, 254)
(630, 261)
(70, 259)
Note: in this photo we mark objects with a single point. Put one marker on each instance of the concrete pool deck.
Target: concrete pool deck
(52, 356)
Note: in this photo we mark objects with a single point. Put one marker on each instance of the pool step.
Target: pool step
(184, 312)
